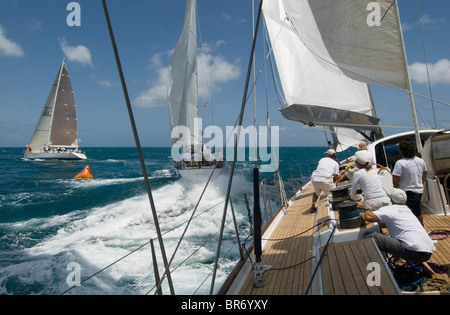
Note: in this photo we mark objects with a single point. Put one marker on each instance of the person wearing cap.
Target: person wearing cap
(369, 181)
(322, 177)
(362, 150)
(409, 174)
(408, 239)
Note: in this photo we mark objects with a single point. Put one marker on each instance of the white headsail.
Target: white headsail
(183, 81)
(327, 52)
(361, 39)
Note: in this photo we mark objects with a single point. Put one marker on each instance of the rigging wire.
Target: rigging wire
(255, 153)
(269, 55)
(138, 146)
(241, 116)
(147, 243)
(426, 62)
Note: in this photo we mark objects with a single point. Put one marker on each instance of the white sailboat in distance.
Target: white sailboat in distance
(198, 161)
(56, 133)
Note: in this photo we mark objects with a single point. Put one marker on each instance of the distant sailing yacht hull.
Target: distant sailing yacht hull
(55, 156)
(199, 174)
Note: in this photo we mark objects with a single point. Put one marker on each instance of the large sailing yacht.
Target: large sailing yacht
(327, 53)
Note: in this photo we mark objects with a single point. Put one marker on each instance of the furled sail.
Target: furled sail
(57, 125)
(315, 95)
(182, 80)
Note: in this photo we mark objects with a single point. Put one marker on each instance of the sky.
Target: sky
(35, 36)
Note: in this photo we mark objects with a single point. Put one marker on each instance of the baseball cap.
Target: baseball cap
(398, 196)
(362, 145)
(361, 159)
(330, 152)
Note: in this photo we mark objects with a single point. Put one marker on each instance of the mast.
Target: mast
(409, 88)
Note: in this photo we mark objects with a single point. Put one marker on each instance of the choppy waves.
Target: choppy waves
(94, 238)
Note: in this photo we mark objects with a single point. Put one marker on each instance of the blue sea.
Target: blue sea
(56, 231)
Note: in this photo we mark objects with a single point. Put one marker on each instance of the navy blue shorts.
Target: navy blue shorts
(413, 202)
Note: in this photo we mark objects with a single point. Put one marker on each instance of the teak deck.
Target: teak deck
(345, 272)
(289, 252)
(286, 252)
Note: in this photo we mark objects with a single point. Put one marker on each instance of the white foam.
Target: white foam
(97, 237)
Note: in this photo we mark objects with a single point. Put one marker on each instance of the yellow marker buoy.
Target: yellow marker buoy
(85, 173)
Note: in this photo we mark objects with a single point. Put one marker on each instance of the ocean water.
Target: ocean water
(56, 231)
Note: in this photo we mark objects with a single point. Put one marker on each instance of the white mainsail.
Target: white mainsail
(183, 80)
(361, 39)
(315, 95)
(57, 125)
(327, 52)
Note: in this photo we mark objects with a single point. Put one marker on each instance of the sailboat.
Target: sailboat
(196, 160)
(328, 53)
(56, 133)
(312, 252)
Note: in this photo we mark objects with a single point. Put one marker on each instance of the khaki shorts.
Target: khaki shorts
(321, 186)
(377, 203)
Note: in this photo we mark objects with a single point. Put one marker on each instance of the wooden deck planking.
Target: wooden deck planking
(285, 253)
(344, 269)
(442, 255)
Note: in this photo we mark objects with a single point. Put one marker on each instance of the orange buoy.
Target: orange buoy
(85, 173)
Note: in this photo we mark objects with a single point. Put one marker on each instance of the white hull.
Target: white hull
(199, 174)
(55, 156)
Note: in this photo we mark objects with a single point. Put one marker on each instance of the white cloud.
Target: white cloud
(34, 25)
(212, 72)
(108, 84)
(439, 72)
(156, 96)
(78, 53)
(426, 20)
(9, 48)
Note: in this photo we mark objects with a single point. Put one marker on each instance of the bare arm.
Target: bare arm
(395, 181)
(369, 216)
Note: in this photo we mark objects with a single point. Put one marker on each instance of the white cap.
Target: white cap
(330, 152)
(361, 159)
(398, 196)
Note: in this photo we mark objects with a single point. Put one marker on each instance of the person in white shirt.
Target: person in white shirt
(322, 177)
(408, 239)
(187, 156)
(409, 174)
(362, 150)
(368, 180)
